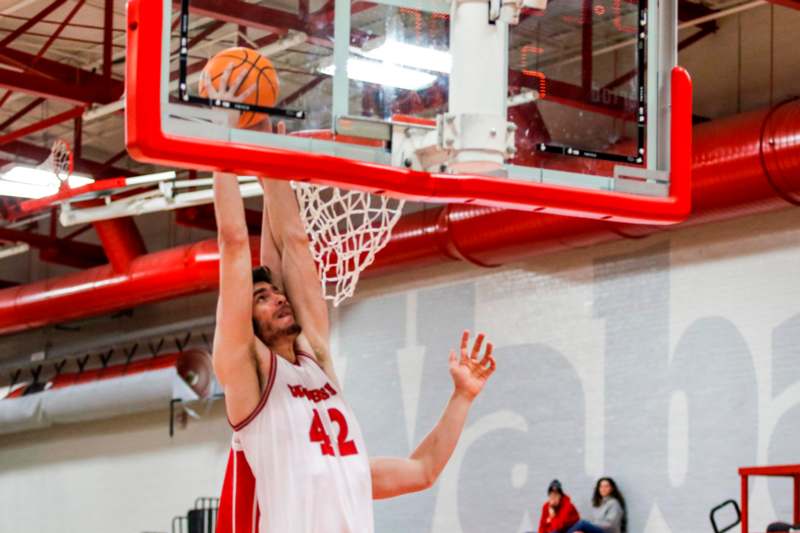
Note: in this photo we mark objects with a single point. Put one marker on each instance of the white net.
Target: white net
(59, 162)
(346, 229)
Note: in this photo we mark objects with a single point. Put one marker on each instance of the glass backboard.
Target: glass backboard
(568, 106)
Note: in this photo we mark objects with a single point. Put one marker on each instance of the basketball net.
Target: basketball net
(59, 162)
(346, 229)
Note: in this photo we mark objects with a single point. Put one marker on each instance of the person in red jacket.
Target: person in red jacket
(558, 513)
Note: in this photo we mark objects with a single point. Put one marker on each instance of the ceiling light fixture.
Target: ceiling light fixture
(384, 73)
(29, 182)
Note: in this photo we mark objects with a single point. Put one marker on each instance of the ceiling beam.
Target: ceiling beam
(41, 125)
(792, 4)
(79, 85)
(250, 15)
(31, 22)
(62, 251)
(21, 113)
(74, 93)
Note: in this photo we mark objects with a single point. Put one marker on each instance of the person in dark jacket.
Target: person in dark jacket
(558, 513)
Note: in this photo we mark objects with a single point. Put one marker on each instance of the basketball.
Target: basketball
(260, 72)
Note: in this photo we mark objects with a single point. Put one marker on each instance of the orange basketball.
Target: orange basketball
(259, 71)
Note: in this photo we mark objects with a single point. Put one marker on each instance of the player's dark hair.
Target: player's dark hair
(261, 274)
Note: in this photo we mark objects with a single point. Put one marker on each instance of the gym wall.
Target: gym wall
(665, 363)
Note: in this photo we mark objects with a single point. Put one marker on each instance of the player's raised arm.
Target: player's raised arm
(234, 340)
(394, 476)
(269, 255)
(299, 269)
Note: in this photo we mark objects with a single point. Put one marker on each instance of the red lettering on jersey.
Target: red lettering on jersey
(314, 395)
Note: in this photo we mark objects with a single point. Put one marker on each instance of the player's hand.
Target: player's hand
(470, 371)
(228, 90)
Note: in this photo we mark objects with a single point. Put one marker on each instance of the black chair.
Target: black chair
(201, 519)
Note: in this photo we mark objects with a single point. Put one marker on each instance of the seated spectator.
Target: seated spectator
(609, 510)
(558, 513)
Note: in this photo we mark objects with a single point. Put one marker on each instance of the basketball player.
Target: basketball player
(297, 442)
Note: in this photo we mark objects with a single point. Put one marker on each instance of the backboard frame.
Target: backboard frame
(149, 138)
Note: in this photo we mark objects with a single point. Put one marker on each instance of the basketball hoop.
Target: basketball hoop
(347, 229)
(59, 162)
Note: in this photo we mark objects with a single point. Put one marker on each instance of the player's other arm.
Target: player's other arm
(393, 476)
(299, 270)
(234, 341)
(269, 255)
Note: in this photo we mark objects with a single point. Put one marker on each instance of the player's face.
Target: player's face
(605, 489)
(273, 313)
(554, 499)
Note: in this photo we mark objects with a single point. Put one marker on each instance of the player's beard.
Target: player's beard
(269, 335)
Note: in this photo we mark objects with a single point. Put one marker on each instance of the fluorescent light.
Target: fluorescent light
(412, 55)
(384, 74)
(28, 182)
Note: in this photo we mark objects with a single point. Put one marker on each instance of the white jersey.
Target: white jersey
(307, 454)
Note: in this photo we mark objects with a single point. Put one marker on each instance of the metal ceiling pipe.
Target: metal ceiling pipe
(121, 241)
(742, 165)
(163, 275)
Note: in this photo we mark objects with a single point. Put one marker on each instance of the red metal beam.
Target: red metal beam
(76, 85)
(793, 4)
(77, 138)
(31, 22)
(79, 93)
(251, 15)
(56, 23)
(66, 252)
(108, 30)
(205, 32)
(41, 125)
(50, 40)
(21, 113)
(65, 38)
(56, 34)
(108, 164)
(304, 89)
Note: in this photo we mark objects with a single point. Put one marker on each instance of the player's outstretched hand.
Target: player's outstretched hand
(227, 89)
(471, 371)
